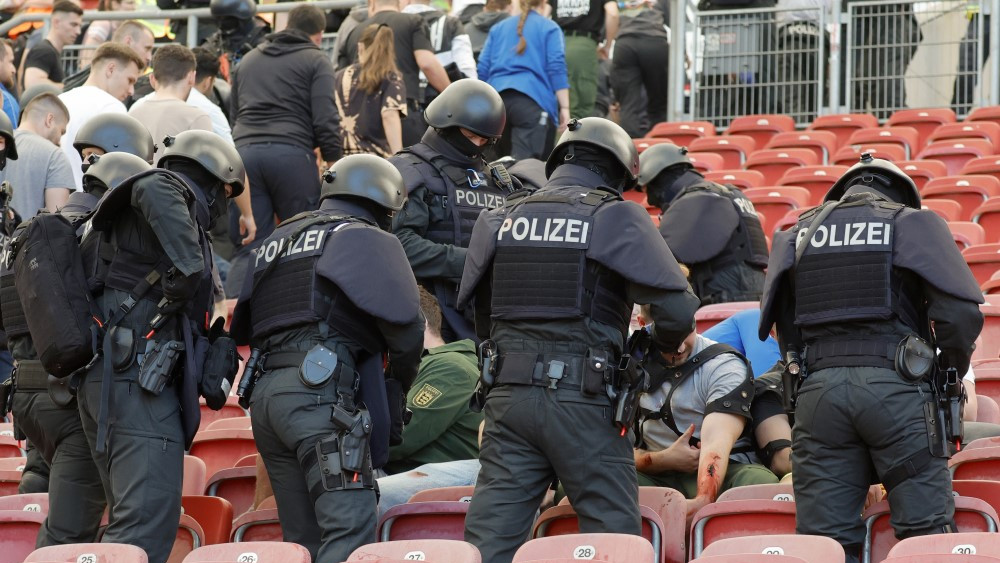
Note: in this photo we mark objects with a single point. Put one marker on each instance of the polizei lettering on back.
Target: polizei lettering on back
(553, 230)
(849, 236)
(473, 198)
(308, 243)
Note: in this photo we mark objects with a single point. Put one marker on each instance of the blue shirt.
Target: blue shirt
(10, 105)
(536, 73)
(740, 332)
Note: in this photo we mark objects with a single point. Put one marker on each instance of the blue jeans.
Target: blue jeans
(398, 488)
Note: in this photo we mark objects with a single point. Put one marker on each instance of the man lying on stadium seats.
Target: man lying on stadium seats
(693, 432)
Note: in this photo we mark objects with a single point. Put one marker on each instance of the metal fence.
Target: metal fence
(860, 56)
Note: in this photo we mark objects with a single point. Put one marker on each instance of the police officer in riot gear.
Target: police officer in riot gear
(239, 29)
(862, 291)
(323, 314)
(448, 184)
(713, 229)
(556, 335)
(153, 286)
(114, 132)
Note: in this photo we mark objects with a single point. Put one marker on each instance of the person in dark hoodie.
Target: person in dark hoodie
(479, 26)
(282, 107)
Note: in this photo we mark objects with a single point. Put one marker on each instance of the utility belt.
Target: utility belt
(31, 376)
(875, 352)
(588, 34)
(587, 374)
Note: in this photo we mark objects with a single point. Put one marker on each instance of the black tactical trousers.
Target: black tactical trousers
(640, 60)
(533, 435)
(76, 495)
(852, 425)
(288, 419)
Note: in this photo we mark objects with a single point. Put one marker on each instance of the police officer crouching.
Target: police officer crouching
(331, 291)
(139, 402)
(712, 229)
(448, 184)
(853, 290)
(555, 276)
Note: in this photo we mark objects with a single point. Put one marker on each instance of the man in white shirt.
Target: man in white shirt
(114, 71)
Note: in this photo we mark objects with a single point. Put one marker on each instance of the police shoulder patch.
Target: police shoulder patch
(426, 395)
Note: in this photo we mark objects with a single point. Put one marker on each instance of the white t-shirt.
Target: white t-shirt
(84, 103)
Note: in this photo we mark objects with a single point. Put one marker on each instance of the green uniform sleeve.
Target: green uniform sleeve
(438, 398)
(428, 259)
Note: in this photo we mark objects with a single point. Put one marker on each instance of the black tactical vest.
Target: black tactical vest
(461, 192)
(291, 293)
(11, 312)
(747, 243)
(846, 274)
(541, 270)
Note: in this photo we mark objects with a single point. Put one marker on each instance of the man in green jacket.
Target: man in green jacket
(442, 428)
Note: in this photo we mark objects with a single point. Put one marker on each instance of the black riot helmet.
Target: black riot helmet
(658, 158)
(369, 180)
(238, 9)
(211, 152)
(879, 176)
(115, 132)
(471, 104)
(611, 142)
(7, 132)
(108, 171)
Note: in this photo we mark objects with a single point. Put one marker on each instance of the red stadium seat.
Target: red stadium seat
(815, 549)
(761, 128)
(599, 547)
(922, 171)
(843, 124)
(969, 130)
(906, 137)
(710, 315)
(982, 443)
(956, 153)
(190, 537)
(213, 514)
(924, 121)
(977, 463)
(986, 113)
(268, 503)
(983, 260)
(424, 521)
(971, 515)
(9, 447)
(965, 543)
(9, 480)
(247, 461)
(195, 477)
(235, 484)
(12, 463)
(970, 191)
(734, 149)
(850, 155)
(817, 179)
(742, 179)
(706, 161)
(774, 163)
(943, 558)
(776, 491)
(681, 133)
(823, 143)
(947, 209)
(749, 558)
(18, 531)
(775, 202)
(986, 165)
(991, 286)
(257, 552)
(233, 423)
(230, 410)
(562, 521)
(439, 551)
(88, 553)
(220, 449)
(30, 502)
(461, 494)
(721, 520)
(988, 491)
(966, 233)
(643, 144)
(988, 343)
(988, 217)
(257, 526)
(671, 506)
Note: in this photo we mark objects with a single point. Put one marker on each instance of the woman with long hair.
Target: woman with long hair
(525, 60)
(371, 97)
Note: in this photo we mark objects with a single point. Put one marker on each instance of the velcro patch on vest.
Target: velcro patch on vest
(546, 229)
(307, 245)
(478, 199)
(846, 234)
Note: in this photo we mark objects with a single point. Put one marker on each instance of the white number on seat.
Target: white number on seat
(584, 552)
(773, 551)
(249, 557)
(86, 558)
(964, 549)
(784, 497)
(415, 556)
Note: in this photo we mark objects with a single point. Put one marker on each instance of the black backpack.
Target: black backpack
(52, 286)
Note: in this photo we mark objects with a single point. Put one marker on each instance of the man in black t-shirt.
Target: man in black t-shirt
(414, 53)
(43, 63)
(582, 21)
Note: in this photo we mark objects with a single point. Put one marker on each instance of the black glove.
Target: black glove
(399, 415)
(958, 359)
(178, 288)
